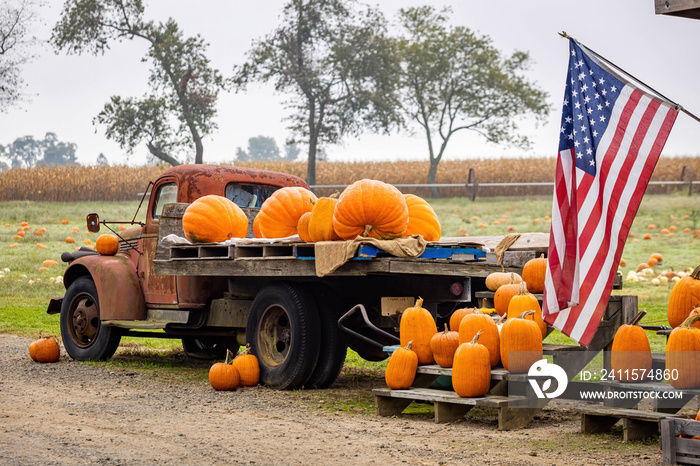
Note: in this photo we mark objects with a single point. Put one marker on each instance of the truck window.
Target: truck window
(249, 195)
(167, 194)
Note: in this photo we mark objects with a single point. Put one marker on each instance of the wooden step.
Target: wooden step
(636, 424)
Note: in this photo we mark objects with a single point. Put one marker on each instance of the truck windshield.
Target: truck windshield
(244, 195)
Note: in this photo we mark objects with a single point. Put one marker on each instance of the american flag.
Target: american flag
(611, 137)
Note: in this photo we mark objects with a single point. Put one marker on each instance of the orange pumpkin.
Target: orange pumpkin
(471, 371)
(303, 227)
(685, 296)
(107, 245)
(534, 272)
(248, 368)
(44, 350)
(443, 345)
(213, 219)
(70, 239)
(495, 280)
(503, 295)
(370, 208)
(525, 301)
(256, 227)
(422, 219)
(683, 354)
(417, 325)
(401, 369)
(521, 343)
(474, 323)
(321, 221)
(224, 376)
(280, 213)
(630, 358)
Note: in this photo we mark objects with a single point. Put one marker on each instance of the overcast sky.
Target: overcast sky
(69, 91)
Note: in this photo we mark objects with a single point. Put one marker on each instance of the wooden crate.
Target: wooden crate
(677, 449)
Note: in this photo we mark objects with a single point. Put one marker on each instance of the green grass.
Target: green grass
(25, 290)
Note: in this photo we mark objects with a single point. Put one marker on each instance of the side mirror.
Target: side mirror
(93, 223)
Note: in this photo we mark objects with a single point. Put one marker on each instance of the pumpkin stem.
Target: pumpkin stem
(335, 195)
(228, 354)
(409, 344)
(503, 317)
(638, 317)
(419, 302)
(368, 228)
(526, 314)
(522, 290)
(446, 327)
(475, 340)
(688, 323)
(503, 269)
(512, 279)
(696, 273)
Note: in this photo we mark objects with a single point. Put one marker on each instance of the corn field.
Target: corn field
(120, 183)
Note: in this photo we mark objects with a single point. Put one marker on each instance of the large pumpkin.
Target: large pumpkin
(525, 301)
(685, 296)
(401, 368)
(534, 272)
(503, 295)
(422, 219)
(248, 368)
(303, 227)
(458, 315)
(471, 371)
(521, 343)
(213, 219)
(443, 345)
(321, 220)
(279, 214)
(630, 358)
(370, 208)
(224, 376)
(417, 325)
(683, 355)
(481, 323)
(497, 279)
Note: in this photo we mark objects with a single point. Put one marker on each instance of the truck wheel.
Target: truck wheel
(283, 332)
(208, 347)
(334, 342)
(84, 337)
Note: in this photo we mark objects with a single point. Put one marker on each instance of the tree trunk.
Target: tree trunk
(162, 155)
(311, 163)
(432, 173)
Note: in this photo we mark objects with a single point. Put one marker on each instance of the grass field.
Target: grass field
(26, 285)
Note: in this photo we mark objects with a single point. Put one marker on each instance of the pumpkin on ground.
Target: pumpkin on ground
(224, 376)
(107, 245)
(496, 279)
(630, 358)
(44, 350)
(503, 295)
(213, 219)
(525, 301)
(683, 355)
(482, 323)
(370, 208)
(443, 345)
(534, 272)
(280, 213)
(521, 343)
(458, 315)
(321, 220)
(685, 296)
(471, 371)
(303, 227)
(422, 219)
(401, 368)
(417, 325)
(248, 368)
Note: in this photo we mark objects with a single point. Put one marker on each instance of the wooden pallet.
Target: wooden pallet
(636, 424)
(676, 449)
(662, 405)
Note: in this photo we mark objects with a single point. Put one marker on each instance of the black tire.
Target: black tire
(334, 342)
(283, 333)
(84, 336)
(209, 348)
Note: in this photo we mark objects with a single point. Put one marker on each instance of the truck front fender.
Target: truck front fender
(117, 283)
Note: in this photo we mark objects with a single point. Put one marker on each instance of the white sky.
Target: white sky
(69, 91)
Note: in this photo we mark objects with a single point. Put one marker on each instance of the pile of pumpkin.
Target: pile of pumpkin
(645, 272)
(242, 371)
(476, 342)
(368, 208)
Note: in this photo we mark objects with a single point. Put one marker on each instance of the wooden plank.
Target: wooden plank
(682, 8)
(668, 440)
(538, 242)
(636, 429)
(447, 412)
(676, 450)
(687, 451)
(390, 406)
(511, 258)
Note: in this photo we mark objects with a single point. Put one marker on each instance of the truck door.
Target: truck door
(158, 290)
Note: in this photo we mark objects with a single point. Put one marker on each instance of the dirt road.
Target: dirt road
(73, 413)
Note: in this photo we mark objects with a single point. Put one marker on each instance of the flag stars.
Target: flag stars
(613, 89)
(581, 76)
(601, 80)
(602, 118)
(566, 102)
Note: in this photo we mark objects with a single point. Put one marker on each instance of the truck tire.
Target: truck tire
(208, 347)
(84, 336)
(334, 342)
(283, 332)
